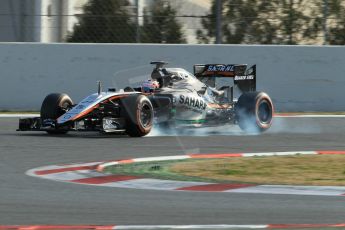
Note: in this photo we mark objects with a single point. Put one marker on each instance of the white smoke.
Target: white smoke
(232, 130)
(248, 122)
(296, 125)
(279, 125)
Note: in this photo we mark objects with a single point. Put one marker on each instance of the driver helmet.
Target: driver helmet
(149, 86)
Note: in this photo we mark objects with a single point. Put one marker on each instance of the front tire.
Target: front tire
(254, 112)
(138, 112)
(53, 106)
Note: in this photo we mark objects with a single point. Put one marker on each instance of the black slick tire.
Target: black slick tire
(138, 113)
(53, 106)
(254, 112)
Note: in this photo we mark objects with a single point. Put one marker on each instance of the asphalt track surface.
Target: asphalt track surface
(29, 200)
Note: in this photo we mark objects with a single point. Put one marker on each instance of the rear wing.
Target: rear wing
(244, 78)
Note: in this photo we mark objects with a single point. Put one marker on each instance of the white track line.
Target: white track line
(292, 190)
(4, 115)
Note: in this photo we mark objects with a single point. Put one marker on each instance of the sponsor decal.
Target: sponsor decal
(192, 102)
(80, 107)
(220, 68)
(240, 78)
(76, 110)
(86, 102)
(67, 117)
(89, 99)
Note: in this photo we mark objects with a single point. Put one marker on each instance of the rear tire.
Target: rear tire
(53, 106)
(138, 112)
(254, 112)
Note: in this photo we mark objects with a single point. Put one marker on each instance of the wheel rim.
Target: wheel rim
(264, 112)
(145, 115)
(64, 107)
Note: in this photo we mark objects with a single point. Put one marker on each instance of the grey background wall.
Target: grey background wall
(298, 78)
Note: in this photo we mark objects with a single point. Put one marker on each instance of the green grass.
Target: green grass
(158, 170)
(319, 170)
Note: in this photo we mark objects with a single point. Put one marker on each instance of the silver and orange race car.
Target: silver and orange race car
(216, 94)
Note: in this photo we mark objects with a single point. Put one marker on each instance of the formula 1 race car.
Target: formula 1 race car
(172, 98)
